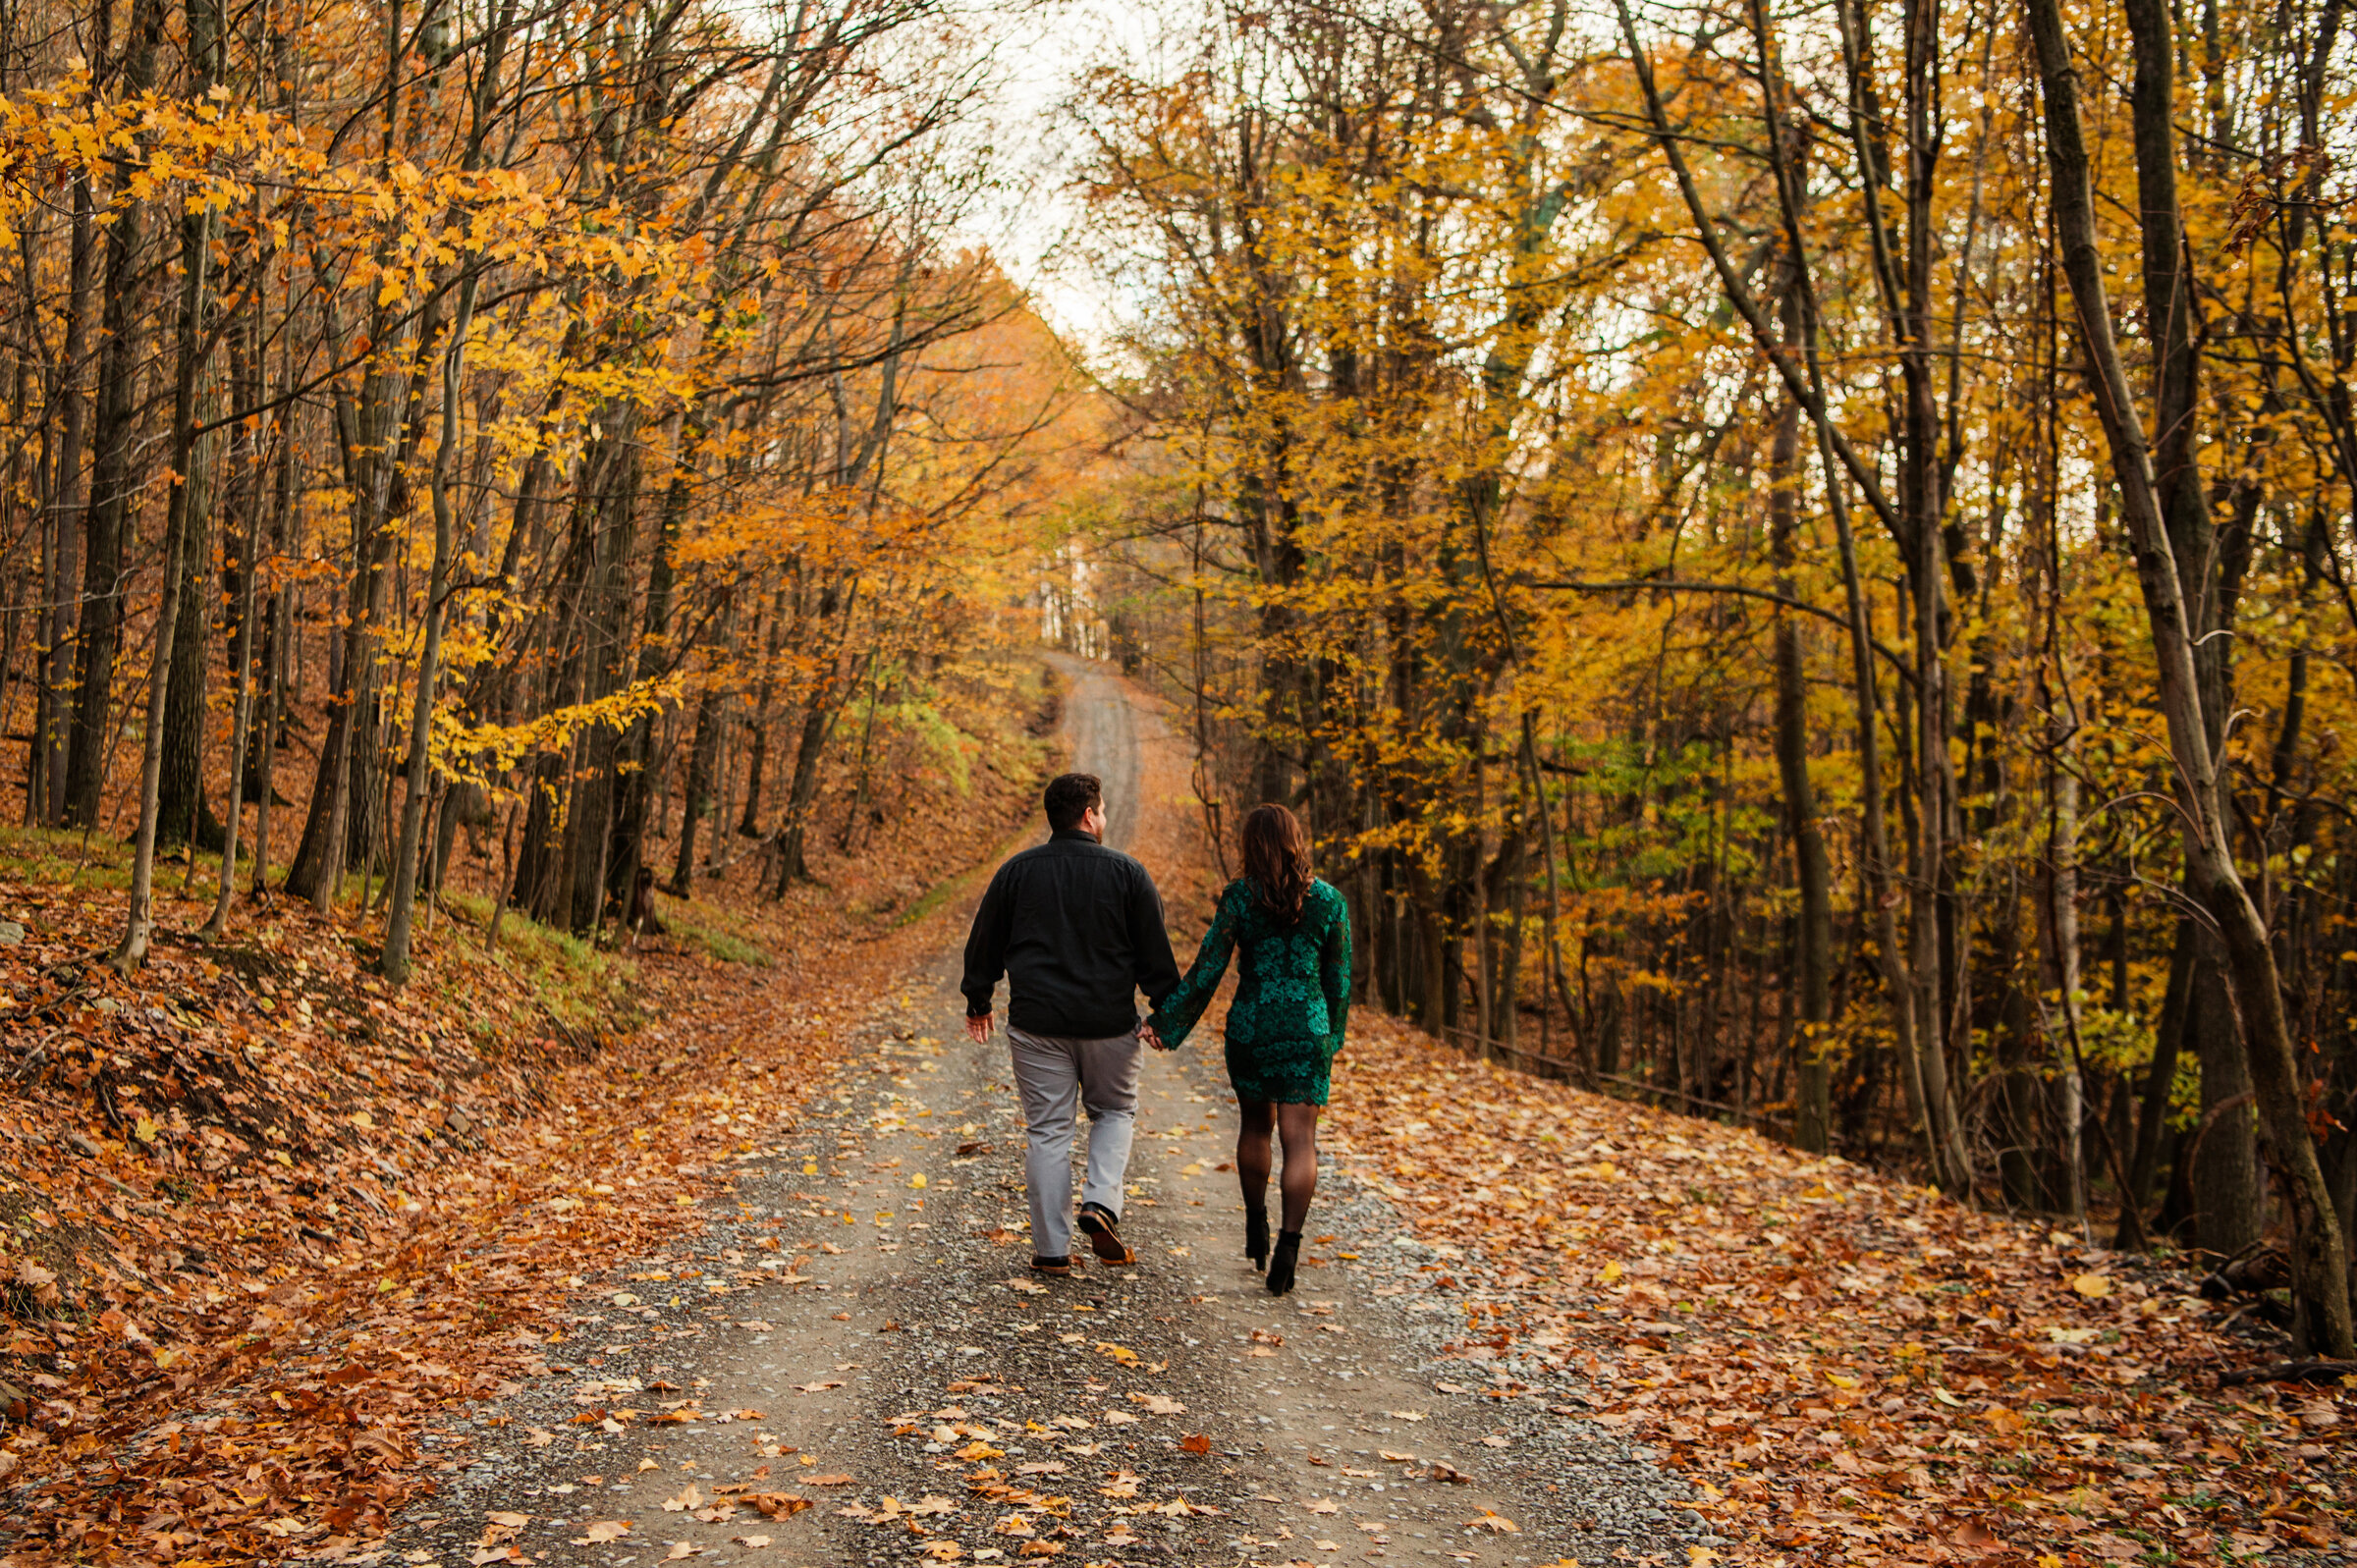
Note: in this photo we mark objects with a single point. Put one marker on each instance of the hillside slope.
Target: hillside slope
(265, 1215)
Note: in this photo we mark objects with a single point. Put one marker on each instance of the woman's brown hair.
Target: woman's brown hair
(1277, 859)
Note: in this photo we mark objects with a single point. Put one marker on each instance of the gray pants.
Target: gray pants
(1055, 1076)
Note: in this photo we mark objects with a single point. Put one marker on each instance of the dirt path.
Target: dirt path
(852, 1365)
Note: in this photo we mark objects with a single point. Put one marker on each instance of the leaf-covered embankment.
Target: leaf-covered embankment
(1843, 1364)
(264, 1217)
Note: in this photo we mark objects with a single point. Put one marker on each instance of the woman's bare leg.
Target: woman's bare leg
(1297, 1125)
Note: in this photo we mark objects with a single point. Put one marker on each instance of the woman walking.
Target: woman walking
(1293, 998)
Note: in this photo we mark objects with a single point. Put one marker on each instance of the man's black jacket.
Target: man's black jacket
(1076, 929)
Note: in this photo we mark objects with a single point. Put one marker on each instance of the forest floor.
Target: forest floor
(590, 1258)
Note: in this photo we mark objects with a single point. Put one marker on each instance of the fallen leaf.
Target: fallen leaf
(1977, 1537)
(1183, 1507)
(776, 1504)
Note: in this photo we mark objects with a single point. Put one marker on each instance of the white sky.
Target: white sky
(1045, 50)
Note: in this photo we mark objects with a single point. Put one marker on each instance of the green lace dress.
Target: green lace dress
(1292, 993)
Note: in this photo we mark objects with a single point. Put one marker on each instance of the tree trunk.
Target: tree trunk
(246, 380)
(71, 520)
(1812, 868)
(2019, 1103)
(2229, 1192)
(696, 804)
(641, 786)
(395, 961)
(2151, 1117)
(107, 521)
(817, 719)
(184, 816)
(187, 481)
(757, 721)
(2059, 923)
(276, 659)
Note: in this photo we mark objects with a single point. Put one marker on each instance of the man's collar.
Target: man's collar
(1074, 835)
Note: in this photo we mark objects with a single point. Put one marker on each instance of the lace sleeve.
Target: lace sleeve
(1334, 973)
(1183, 1006)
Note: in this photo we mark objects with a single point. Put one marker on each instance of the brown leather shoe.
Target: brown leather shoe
(1061, 1268)
(1104, 1234)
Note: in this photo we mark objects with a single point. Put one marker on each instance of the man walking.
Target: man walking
(1076, 929)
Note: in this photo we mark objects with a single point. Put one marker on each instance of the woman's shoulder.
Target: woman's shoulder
(1328, 896)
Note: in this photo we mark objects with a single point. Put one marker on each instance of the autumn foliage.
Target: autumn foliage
(1789, 557)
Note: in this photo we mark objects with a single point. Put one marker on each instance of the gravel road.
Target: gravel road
(852, 1365)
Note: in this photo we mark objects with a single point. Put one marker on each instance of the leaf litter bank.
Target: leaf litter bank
(267, 1221)
(1846, 1368)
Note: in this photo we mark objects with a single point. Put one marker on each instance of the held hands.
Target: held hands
(1145, 1032)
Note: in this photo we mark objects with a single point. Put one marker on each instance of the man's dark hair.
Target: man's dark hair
(1069, 798)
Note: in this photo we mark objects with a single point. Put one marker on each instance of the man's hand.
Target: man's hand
(979, 1029)
(1145, 1032)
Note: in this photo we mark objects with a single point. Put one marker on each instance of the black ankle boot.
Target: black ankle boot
(1280, 1262)
(1256, 1236)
